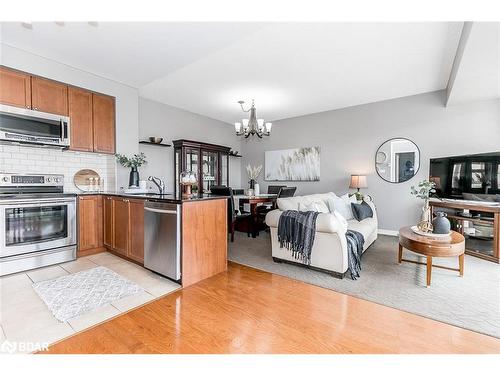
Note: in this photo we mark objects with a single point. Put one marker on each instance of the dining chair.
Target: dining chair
(284, 192)
(233, 216)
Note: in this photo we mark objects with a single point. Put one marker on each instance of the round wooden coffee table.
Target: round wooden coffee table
(451, 246)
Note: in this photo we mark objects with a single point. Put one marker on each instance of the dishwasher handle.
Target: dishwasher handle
(173, 212)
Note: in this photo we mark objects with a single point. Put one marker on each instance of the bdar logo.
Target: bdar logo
(8, 347)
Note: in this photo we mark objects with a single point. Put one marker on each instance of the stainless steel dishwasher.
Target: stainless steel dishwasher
(162, 238)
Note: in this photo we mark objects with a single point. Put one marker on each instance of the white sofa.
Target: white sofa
(329, 252)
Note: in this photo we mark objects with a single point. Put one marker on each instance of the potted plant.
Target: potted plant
(423, 191)
(133, 163)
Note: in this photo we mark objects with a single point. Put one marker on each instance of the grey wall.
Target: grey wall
(350, 137)
(161, 120)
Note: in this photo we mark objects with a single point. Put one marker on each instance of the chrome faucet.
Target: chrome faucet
(158, 182)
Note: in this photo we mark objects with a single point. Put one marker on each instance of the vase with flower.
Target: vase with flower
(133, 163)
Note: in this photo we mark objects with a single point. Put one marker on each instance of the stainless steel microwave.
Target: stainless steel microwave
(20, 125)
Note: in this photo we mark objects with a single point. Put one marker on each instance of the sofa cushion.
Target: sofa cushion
(361, 211)
(365, 227)
(314, 206)
(292, 203)
(326, 223)
(343, 205)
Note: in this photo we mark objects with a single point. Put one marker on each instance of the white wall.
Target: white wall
(349, 139)
(171, 123)
(127, 131)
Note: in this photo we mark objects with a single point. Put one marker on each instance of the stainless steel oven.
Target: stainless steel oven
(29, 225)
(33, 127)
(37, 222)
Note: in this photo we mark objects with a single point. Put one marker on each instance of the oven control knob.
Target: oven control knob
(48, 179)
(5, 179)
(58, 179)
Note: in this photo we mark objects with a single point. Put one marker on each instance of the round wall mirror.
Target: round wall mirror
(397, 160)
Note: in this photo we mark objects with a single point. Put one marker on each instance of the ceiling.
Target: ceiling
(290, 69)
(478, 75)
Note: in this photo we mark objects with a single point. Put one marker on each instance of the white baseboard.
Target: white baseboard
(388, 232)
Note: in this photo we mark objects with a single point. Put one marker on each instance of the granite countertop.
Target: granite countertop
(169, 197)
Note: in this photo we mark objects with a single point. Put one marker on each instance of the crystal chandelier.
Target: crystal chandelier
(252, 125)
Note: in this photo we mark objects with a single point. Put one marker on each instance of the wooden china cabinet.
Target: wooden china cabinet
(209, 162)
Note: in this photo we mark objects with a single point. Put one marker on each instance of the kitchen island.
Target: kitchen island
(114, 222)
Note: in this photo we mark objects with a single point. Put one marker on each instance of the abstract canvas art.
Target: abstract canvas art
(297, 164)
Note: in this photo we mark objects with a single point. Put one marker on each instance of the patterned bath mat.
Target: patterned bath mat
(75, 294)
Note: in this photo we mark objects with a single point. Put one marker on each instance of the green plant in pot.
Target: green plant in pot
(423, 191)
(133, 163)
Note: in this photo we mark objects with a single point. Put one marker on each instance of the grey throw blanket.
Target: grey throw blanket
(355, 242)
(296, 232)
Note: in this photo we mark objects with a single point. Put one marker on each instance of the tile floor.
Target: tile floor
(24, 317)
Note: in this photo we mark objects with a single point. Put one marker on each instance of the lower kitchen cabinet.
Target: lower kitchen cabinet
(120, 225)
(90, 230)
(124, 227)
(136, 230)
(108, 221)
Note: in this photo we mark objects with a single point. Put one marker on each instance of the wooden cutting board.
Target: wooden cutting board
(82, 179)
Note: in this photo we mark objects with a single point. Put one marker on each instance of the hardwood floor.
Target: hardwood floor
(245, 310)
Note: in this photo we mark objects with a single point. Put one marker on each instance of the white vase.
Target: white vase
(426, 212)
(257, 189)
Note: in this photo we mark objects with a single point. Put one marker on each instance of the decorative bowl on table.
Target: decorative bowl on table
(156, 140)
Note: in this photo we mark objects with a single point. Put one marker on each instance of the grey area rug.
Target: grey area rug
(75, 294)
(471, 302)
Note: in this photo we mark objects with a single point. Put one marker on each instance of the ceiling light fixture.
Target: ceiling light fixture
(252, 125)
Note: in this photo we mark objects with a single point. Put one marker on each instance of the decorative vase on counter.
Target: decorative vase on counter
(252, 183)
(441, 224)
(133, 179)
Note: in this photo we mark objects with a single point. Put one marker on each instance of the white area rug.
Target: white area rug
(75, 294)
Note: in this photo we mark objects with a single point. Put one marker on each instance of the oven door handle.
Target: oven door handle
(38, 203)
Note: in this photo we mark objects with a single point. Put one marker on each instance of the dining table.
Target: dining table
(253, 201)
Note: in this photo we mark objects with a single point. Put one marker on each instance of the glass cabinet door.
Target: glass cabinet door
(178, 167)
(224, 161)
(209, 169)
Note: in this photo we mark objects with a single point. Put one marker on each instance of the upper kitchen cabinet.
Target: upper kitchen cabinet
(104, 123)
(80, 113)
(49, 96)
(15, 88)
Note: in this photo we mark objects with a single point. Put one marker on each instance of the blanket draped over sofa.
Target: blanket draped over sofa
(296, 231)
(355, 242)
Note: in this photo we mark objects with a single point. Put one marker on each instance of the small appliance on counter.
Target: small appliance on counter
(37, 222)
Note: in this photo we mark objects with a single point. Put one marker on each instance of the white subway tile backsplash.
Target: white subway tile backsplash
(27, 159)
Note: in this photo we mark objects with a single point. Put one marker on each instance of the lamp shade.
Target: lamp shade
(358, 181)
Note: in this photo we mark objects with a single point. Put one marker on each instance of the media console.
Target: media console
(479, 223)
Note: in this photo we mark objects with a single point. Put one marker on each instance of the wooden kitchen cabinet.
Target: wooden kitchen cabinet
(15, 88)
(49, 96)
(108, 221)
(90, 228)
(136, 230)
(104, 123)
(120, 225)
(124, 227)
(92, 115)
(80, 113)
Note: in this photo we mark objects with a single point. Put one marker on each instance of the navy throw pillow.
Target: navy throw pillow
(361, 211)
